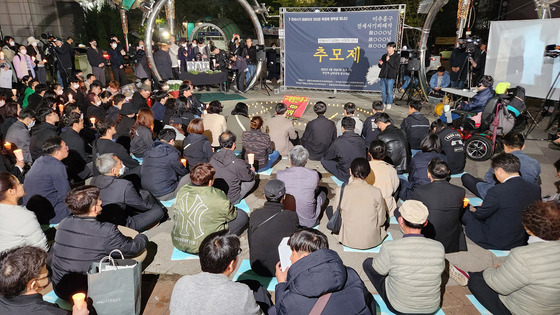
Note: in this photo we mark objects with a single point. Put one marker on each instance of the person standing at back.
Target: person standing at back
(389, 64)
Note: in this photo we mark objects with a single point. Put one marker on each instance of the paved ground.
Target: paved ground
(157, 289)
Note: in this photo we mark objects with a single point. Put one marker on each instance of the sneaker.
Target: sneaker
(460, 276)
(387, 106)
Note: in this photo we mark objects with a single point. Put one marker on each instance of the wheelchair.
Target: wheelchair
(502, 114)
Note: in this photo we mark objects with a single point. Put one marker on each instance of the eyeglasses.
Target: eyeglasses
(239, 251)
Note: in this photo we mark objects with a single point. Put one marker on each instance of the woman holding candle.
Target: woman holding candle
(18, 226)
(23, 63)
(197, 148)
(142, 133)
(257, 142)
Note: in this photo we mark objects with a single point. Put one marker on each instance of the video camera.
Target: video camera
(469, 44)
(552, 51)
(411, 58)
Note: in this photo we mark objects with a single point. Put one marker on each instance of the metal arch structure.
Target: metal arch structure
(251, 11)
(208, 24)
(431, 16)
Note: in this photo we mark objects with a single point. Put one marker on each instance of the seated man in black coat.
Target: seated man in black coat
(398, 150)
(344, 150)
(497, 223)
(142, 210)
(46, 129)
(78, 161)
(268, 226)
(319, 133)
(139, 97)
(444, 219)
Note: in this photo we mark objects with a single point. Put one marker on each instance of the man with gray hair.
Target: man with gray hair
(138, 211)
(303, 184)
(233, 175)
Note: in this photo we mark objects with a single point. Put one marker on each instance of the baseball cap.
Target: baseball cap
(274, 189)
(175, 120)
(413, 211)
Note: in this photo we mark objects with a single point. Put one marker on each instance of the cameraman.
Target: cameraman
(478, 63)
(458, 63)
(238, 63)
(63, 60)
(235, 46)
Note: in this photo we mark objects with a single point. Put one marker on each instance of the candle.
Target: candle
(14, 92)
(251, 158)
(79, 300)
(92, 119)
(19, 154)
(70, 98)
(184, 162)
(61, 108)
(8, 146)
(465, 202)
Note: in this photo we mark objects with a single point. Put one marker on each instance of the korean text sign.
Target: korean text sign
(296, 105)
(335, 50)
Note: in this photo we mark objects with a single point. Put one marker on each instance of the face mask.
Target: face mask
(98, 103)
(194, 45)
(121, 171)
(114, 46)
(31, 124)
(94, 43)
(2, 103)
(141, 46)
(12, 44)
(23, 51)
(59, 92)
(82, 116)
(76, 86)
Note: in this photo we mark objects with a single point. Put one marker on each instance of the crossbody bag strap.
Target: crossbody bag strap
(258, 226)
(239, 122)
(340, 200)
(320, 304)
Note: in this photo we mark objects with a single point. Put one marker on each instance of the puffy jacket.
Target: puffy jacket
(316, 274)
(413, 266)
(19, 227)
(196, 149)
(232, 170)
(39, 135)
(416, 127)
(142, 141)
(79, 241)
(479, 100)
(162, 169)
(527, 281)
(257, 142)
(199, 211)
(397, 147)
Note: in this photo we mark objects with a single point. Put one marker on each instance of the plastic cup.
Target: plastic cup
(92, 119)
(8, 146)
(79, 300)
(14, 92)
(184, 162)
(446, 108)
(251, 158)
(19, 154)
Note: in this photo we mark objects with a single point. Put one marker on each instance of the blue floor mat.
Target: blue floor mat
(499, 253)
(179, 255)
(52, 298)
(382, 308)
(169, 203)
(478, 306)
(242, 205)
(376, 249)
(245, 273)
(337, 181)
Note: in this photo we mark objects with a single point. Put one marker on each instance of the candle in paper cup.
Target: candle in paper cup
(61, 108)
(70, 98)
(251, 158)
(8, 146)
(79, 300)
(14, 92)
(184, 162)
(19, 154)
(465, 203)
(92, 119)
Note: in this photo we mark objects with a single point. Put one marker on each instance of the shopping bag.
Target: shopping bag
(6, 79)
(114, 285)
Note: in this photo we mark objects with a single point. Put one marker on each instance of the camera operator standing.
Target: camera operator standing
(478, 63)
(238, 63)
(63, 60)
(458, 62)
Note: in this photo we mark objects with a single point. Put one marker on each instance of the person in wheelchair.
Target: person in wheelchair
(484, 93)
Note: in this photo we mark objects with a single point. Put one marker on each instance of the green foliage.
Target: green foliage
(100, 25)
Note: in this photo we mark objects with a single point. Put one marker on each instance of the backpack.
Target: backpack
(503, 121)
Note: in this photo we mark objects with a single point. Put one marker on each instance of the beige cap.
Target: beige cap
(414, 211)
(31, 40)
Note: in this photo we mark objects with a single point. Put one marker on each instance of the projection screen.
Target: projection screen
(516, 55)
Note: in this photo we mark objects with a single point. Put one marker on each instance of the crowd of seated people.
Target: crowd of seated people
(134, 159)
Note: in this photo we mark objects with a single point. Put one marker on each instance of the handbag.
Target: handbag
(114, 286)
(335, 222)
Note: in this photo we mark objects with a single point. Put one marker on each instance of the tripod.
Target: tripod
(262, 80)
(539, 117)
(469, 73)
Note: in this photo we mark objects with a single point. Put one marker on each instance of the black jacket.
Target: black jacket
(64, 55)
(390, 68)
(95, 111)
(497, 223)
(121, 192)
(39, 134)
(124, 127)
(162, 169)
(75, 142)
(196, 149)
(79, 98)
(458, 58)
(33, 101)
(418, 169)
(416, 127)
(79, 241)
(397, 147)
(117, 60)
(318, 136)
(444, 219)
(316, 274)
(102, 146)
(95, 57)
(29, 304)
(345, 149)
(138, 101)
(163, 63)
(454, 150)
(142, 141)
(266, 237)
(232, 170)
(370, 130)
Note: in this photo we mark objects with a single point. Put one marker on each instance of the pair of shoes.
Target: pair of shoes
(388, 106)
(460, 276)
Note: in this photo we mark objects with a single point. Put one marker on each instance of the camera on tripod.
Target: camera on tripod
(411, 58)
(469, 44)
